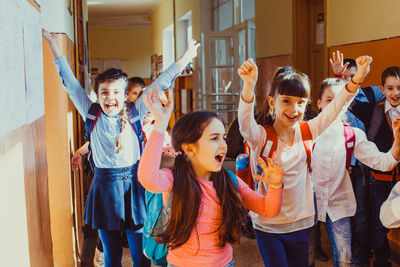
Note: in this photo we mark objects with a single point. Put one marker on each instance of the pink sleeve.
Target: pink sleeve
(150, 175)
(267, 206)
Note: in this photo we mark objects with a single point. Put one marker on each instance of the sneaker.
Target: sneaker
(320, 254)
(98, 260)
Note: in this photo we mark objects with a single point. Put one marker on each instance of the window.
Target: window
(168, 46)
(184, 32)
(228, 13)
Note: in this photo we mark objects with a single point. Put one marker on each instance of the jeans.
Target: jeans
(339, 234)
(230, 264)
(112, 245)
(379, 192)
(284, 250)
(361, 221)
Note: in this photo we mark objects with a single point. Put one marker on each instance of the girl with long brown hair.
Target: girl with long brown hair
(206, 210)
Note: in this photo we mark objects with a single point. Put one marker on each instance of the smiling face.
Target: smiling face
(134, 92)
(328, 95)
(111, 96)
(208, 153)
(288, 109)
(392, 90)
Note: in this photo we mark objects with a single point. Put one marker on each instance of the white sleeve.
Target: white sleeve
(252, 132)
(320, 123)
(390, 210)
(367, 152)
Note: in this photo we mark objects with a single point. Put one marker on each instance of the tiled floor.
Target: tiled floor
(247, 255)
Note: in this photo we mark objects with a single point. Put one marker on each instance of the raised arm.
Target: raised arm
(150, 175)
(367, 152)
(337, 64)
(320, 123)
(253, 133)
(166, 80)
(69, 81)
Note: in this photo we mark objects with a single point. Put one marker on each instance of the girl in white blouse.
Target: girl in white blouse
(333, 188)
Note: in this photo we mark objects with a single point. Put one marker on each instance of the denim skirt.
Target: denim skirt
(115, 200)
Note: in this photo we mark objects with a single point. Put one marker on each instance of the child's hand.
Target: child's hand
(161, 113)
(248, 72)
(76, 161)
(272, 174)
(396, 129)
(50, 37)
(363, 63)
(191, 49)
(337, 63)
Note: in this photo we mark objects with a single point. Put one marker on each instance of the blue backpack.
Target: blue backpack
(157, 216)
(94, 113)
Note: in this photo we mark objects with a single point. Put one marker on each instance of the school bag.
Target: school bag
(234, 140)
(157, 216)
(269, 149)
(91, 119)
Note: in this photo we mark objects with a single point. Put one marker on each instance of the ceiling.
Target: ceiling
(120, 13)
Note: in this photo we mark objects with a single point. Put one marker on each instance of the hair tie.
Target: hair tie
(177, 153)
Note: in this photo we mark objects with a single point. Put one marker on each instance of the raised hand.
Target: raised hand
(363, 63)
(337, 63)
(161, 113)
(190, 53)
(272, 175)
(191, 49)
(396, 129)
(248, 72)
(51, 39)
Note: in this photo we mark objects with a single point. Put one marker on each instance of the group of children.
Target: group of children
(205, 205)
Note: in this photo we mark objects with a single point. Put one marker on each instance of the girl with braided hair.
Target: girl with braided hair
(115, 201)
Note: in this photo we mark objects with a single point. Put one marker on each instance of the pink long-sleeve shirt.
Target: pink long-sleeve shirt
(202, 248)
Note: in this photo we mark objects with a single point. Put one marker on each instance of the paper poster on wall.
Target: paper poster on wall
(32, 33)
(12, 86)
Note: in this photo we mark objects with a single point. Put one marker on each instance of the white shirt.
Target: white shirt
(297, 211)
(394, 112)
(332, 184)
(390, 209)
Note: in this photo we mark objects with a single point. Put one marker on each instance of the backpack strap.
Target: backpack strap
(307, 140)
(369, 93)
(271, 143)
(349, 140)
(91, 119)
(377, 117)
(134, 120)
(233, 178)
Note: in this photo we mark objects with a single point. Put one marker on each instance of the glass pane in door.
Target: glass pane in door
(221, 51)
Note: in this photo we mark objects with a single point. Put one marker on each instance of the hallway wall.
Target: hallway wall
(360, 21)
(133, 45)
(274, 29)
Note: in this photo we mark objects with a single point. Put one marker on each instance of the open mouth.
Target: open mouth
(291, 117)
(111, 107)
(395, 99)
(220, 158)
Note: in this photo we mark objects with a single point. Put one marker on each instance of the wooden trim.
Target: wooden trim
(35, 5)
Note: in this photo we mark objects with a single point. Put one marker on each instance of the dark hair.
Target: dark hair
(187, 193)
(286, 81)
(329, 82)
(133, 81)
(393, 71)
(352, 62)
(109, 75)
